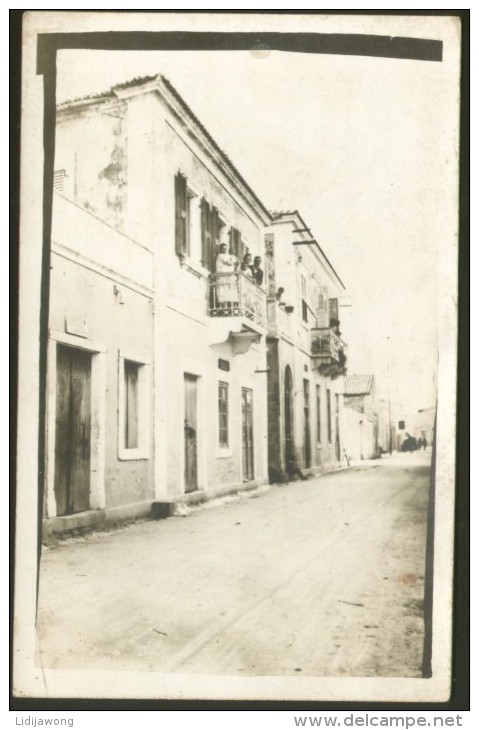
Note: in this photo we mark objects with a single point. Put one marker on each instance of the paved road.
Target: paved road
(318, 578)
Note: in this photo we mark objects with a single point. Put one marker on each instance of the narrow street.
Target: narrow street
(317, 578)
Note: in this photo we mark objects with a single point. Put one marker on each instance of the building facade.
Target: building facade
(177, 371)
(139, 163)
(99, 372)
(306, 355)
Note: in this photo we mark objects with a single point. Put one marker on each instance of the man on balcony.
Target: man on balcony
(226, 283)
(257, 271)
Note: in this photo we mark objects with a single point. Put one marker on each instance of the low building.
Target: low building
(99, 372)
(361, 420)
(306, 355)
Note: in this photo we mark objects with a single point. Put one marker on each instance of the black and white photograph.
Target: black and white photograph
(237, 356)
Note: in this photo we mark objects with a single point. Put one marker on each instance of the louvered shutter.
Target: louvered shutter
(233, 241)
(59, 181)
(180, 214)
(236, 244)
(206, 258)
(333, 312)
(215, 229)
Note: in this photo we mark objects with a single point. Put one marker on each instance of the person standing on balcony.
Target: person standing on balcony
(257, 271)
(246, 267)
(226, 286)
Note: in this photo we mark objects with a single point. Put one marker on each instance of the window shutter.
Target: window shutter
(206, 258)
(236, 244)
(241, 247)
(215, 236)
(232, 241)
(180, 214)
(333, 312)
(59, 181)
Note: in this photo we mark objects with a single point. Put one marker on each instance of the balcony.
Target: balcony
(238, 304)
(327, 351)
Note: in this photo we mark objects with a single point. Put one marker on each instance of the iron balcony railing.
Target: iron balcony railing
(236, 295)
(326, 343)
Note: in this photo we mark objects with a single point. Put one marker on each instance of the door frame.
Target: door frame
(307, 449)
(189, 366)
(248, 385)
(292, 453)
(190, 379)
(97, 435)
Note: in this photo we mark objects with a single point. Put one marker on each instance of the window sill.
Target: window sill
(133, 454)
(194, 267)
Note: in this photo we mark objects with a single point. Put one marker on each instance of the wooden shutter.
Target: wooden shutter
(59, 181)
(232, 236)
(333, 312)
(236, 244)
(206, 235)
(180, 214)
(215, 230)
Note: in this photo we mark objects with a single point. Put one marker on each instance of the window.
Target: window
(328, 405)
(131, 404)
(333, 313)
(187, 224)
(305, 310)
(318, 414)
(133, 408)
(181, 206)
(322, 314)
(223, 415)
(59, 181)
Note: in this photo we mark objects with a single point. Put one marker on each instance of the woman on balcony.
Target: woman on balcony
(226, 284)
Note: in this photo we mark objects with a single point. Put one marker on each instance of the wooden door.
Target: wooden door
(247, 430)
(191, 445)
(73, 430)
(288, 419)
(307, 428)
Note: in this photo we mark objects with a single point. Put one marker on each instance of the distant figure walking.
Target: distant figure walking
(424, 444)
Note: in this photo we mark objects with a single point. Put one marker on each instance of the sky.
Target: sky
(360, 147)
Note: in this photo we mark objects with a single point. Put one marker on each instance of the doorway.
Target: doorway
(288, 419)
(191, 438)
(72, 430)
(247, 423)
(337, 441)
(307, 428)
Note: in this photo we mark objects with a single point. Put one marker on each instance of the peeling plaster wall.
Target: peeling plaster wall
(92, 148)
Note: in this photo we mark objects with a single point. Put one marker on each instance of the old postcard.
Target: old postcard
(237, 356)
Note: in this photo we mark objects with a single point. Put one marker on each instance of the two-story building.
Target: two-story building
(99, 372)
(306, 355)
(183, 410)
